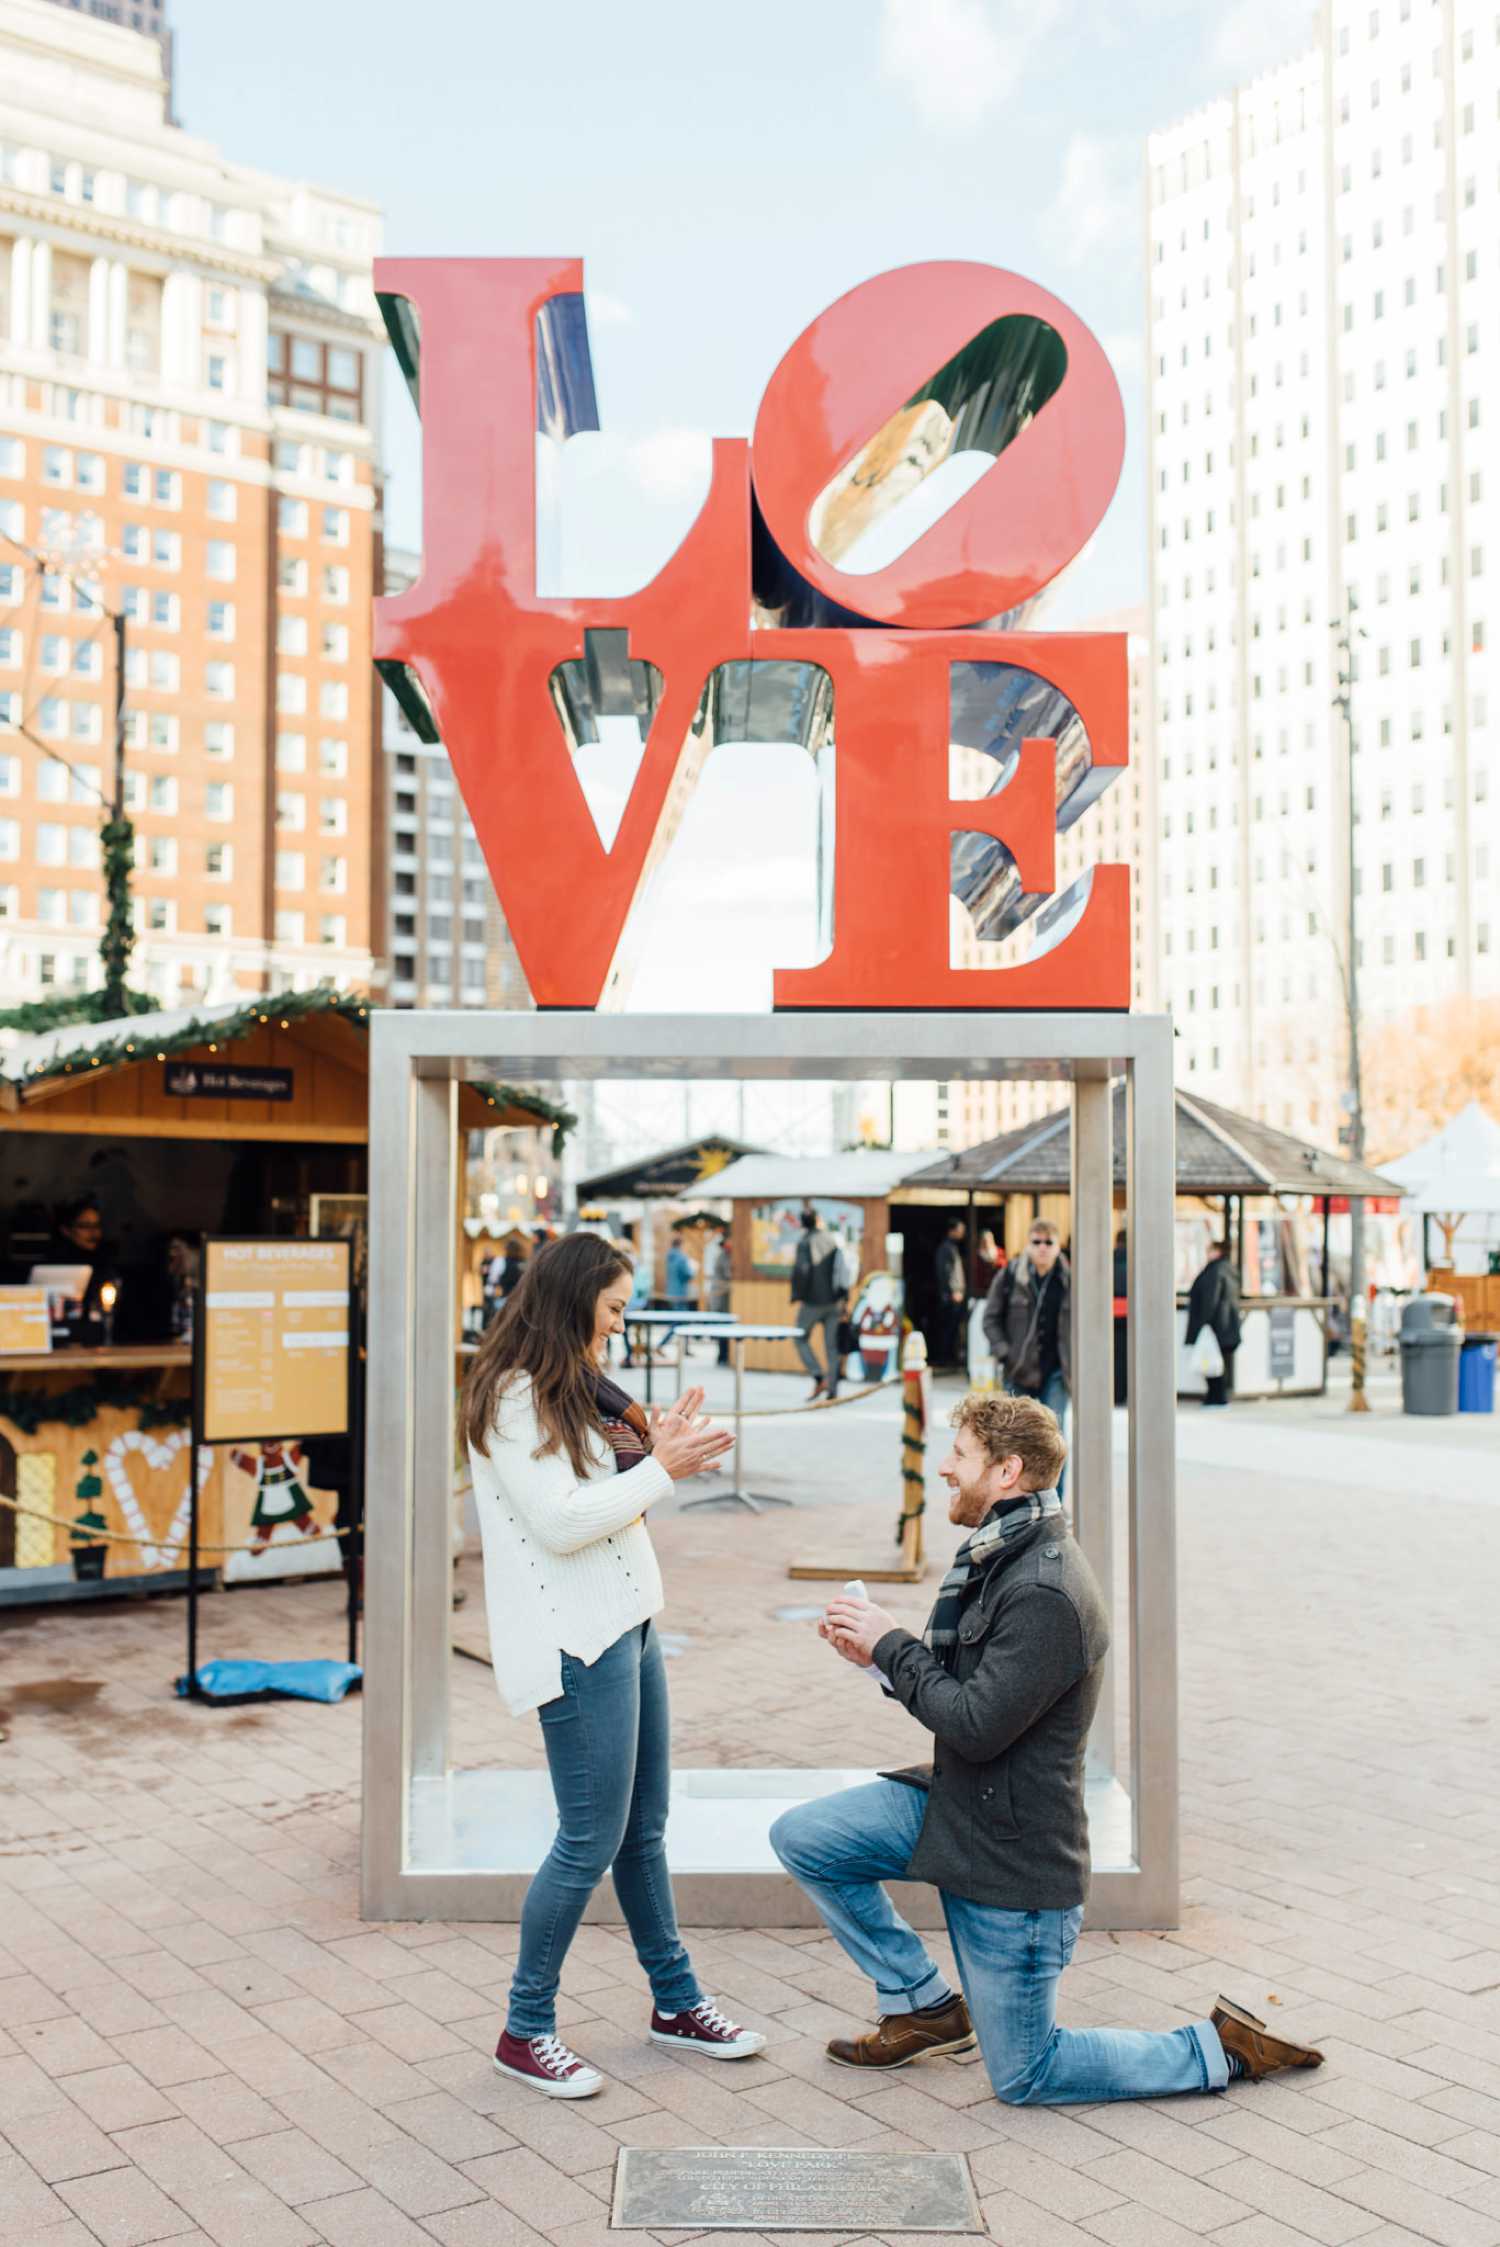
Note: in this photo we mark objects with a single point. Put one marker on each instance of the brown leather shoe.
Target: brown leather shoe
(1252, 2044)
(900, 2038)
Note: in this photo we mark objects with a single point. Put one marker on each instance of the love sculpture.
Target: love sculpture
(776, 620)
(754, 631)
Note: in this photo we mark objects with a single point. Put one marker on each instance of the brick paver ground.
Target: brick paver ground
(201, 2041)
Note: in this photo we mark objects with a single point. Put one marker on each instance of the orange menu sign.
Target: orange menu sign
(275, 1339)
(24, 1324)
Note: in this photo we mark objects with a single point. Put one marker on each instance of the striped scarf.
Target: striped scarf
(625, 1425)
(1000, 1527)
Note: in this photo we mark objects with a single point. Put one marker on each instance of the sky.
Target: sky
(725, 173)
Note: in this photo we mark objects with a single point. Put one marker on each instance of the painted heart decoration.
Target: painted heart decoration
(158, 1453)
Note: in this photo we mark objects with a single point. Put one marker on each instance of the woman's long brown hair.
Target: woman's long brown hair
(546, 1330)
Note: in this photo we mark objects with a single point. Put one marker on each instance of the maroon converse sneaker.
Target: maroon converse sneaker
(547, 2065)
(706, 2030)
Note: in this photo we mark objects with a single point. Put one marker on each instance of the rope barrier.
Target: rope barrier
(114, 1536)
(791, 1411)
(326, 1536)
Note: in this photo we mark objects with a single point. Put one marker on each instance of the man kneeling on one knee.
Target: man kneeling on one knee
(1006, 1679)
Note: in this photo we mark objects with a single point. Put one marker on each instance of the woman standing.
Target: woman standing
(565, 1465)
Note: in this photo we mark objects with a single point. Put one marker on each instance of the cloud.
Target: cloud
(606, 311)
(1255, 35)
(672, 464)
(952, 59)
(1098, 200)
(1125, 349)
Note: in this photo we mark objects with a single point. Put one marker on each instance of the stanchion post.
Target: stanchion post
(915, 1401)
(355, 1568)
(195, 1442)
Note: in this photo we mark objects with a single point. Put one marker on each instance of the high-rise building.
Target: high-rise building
(149, 16)
(1119, 829)
(444, 937)
(1324, 303)
(189, 386)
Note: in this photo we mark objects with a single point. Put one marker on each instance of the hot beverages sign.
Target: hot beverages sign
(763, 626)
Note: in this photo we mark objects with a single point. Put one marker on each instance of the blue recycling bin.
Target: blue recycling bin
(1476, 1373)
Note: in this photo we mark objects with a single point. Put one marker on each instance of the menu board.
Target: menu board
(274, 1339)
(24, 1321)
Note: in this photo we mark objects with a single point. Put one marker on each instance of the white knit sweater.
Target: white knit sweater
(568, 1565)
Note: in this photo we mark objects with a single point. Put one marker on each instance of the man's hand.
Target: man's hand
(857, 1661)
(856, 1627)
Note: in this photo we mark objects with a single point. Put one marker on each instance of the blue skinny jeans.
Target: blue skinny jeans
(609, 1752)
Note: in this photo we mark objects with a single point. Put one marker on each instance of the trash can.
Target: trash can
(1476, 1373)
(1431, 1344)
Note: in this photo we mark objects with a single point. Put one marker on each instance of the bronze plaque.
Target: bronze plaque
(791, 2188)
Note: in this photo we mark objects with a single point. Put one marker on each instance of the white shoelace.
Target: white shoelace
(554, 2055)
(708, 2013)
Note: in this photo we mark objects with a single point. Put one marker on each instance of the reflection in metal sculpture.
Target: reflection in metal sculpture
(753, 632)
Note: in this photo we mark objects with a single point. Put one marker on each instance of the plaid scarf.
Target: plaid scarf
(1000, 1527)
(625, 1425)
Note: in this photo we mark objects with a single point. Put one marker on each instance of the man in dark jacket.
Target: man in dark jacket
(1028, 1324)
(1214, 1302)
(819, 1287)
(1006, 1678)
(951, 1288)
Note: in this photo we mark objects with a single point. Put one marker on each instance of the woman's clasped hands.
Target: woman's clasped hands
(684, 1442)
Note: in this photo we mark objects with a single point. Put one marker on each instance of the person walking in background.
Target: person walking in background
(680, 1276)
(565, 1466)
(989, 1262)
(819, 1286)
(952, 1293)
(1028, 1323)
(718, 1274)
(1214, 1303)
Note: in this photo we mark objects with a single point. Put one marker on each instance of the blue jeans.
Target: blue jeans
(840, 1847)
(1053, 1393)
(609, 1752)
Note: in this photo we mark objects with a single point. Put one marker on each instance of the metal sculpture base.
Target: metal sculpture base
(475, 1838)
(462, 1845)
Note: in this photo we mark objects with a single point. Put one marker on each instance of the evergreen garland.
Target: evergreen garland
(117, 837)
(37, 1015)
(31, 1409)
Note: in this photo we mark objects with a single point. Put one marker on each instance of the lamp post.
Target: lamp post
(1352, 1133)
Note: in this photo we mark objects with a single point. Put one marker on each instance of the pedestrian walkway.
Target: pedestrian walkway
(200, 2041)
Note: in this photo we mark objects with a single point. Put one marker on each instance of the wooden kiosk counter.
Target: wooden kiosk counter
(249, 1117)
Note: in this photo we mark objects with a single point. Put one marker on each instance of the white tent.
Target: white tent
(1459, 1193)
(1468, 1145)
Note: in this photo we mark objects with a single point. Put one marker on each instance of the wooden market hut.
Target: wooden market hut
(248, 1116)
(886, 1221)
(1226, 1165)
(658, 1194)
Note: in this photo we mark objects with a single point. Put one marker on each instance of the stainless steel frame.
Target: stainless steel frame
(440, 1844)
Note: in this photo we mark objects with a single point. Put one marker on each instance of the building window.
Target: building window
(319, 378)
(218, 799)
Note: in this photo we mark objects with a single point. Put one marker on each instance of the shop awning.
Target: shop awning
(1218, 1152)
(674, 1174)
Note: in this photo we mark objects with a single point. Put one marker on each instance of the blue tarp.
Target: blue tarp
(259, 1681)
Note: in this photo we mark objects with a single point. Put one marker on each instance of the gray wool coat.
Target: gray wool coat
(1005, 1823)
